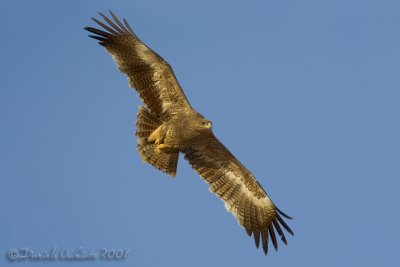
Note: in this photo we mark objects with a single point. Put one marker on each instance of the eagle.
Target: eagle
(168, 125)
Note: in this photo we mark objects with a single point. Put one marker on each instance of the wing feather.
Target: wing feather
(255, 224)
(264, 235)
(240, 191)
(273, 236)
(247, 217)
(225, 189)
(280, 232)
(147, 72)
(241, 209)
(232, 197)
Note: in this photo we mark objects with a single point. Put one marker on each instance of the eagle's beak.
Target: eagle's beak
(209, 125)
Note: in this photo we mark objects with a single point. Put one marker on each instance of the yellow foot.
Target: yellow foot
(167, 149)
(162, 146)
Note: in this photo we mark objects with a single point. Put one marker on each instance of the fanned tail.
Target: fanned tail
(145, 125)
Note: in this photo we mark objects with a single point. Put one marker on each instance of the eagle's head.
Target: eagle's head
(193, 126)
(200, 122)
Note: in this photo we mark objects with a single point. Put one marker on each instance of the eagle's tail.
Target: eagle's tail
(145, 125)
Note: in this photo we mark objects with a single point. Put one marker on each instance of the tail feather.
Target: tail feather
(145, 125)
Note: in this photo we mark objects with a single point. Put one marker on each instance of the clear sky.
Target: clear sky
(305, 93)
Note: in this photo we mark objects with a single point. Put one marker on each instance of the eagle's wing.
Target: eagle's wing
(236, 186)
(147, 72)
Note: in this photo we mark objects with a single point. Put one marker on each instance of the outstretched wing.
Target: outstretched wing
(147, 72)
(236, 186)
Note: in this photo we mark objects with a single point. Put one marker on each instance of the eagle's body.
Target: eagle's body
(181, 130)
(168, 125)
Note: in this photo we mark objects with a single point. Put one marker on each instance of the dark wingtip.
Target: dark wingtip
(256, 235)
(283, 214)
(264, 236)
(101, 39)
(273, 236)
(279, 230)
(265, 249)
(248, 231)
(282, 222)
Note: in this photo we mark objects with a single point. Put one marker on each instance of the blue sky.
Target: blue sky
(305, 93)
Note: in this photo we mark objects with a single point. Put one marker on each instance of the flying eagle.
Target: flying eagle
(168, 125)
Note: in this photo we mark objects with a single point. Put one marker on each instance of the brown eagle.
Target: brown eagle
(168, 125)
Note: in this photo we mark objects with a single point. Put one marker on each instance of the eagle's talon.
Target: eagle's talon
(162, 146)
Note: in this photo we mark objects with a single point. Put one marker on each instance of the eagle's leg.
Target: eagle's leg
(156, 136)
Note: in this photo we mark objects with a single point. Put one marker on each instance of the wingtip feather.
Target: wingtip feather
(256, 235)
(279, 230)
(273, 236)
(283, 214)
(282, 222)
